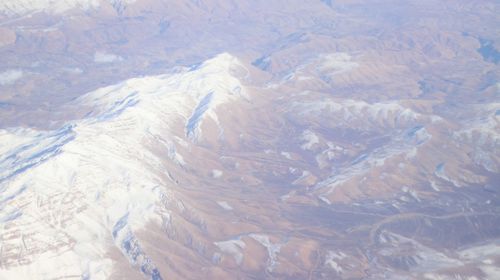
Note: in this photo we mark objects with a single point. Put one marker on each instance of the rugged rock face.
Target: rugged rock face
(332, 142)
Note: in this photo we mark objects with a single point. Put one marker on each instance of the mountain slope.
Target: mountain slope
(94, 182)
(214, 171)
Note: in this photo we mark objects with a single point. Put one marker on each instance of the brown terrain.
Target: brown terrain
(251, 140)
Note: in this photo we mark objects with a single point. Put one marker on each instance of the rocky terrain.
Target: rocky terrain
(227, 139)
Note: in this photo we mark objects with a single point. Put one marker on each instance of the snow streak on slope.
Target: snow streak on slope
(483, 134)
(367, 116)
(31, 148)
(404, 144)
(405, 130)
(194, 120)
(68, 196)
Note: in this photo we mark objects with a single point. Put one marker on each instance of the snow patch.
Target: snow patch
(332, 259)
(217, 173)
(302, 177)
(336, 63)
(224, 205)
(103, 57)
(310, 139)
(272, 249)
(287, 155)
(9, 77)
(233, 248)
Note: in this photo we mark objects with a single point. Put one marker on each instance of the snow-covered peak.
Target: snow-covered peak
(192, 95)
(110, 169)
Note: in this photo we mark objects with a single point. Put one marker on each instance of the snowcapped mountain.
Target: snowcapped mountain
(149, 181)
(24, 7)
(72, 193)
(228, 139)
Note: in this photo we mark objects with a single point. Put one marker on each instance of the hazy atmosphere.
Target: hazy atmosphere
(235, 139)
